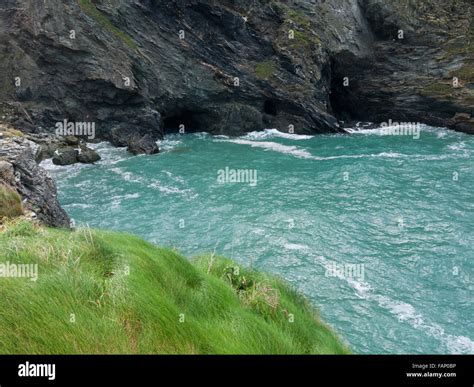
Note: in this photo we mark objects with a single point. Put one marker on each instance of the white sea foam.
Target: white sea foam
(82, 206)
(172, 190)
(128, 176)
(304, 154)
(135, 195)
(274, 133)
(407, 313)
(274, 146)
(49, 166)
(457, 146)
(178, 179)
(116, 201)
(295, 246)
(168, 143)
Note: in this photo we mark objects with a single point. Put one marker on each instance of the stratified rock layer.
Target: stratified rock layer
(18, 169)
(138, 67)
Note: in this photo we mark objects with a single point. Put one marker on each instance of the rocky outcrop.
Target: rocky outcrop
(65, 150)
(420, 66)
(19, 169)
(136, 68)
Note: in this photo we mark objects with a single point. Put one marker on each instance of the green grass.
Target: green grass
(304, 38)
(298, 18)
(8, 132)
(265, 70)
(465, 73)
(104, 292)
(438, 89)
(10, 203)
(90, 9)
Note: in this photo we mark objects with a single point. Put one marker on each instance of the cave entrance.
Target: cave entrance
(269, 107)
(344, 98)
(184, 121)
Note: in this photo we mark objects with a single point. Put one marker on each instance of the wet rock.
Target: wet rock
(47, 144)
(463, 122)
(36, 187)
(71, 140)
(465, 126)
(65, 156)
(87, 155)
(142, 145)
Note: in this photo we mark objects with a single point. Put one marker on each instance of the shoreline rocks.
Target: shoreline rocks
(63, 150)
(463, 122)
(19, 169)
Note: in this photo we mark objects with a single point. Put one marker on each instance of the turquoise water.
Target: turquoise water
(401, 207)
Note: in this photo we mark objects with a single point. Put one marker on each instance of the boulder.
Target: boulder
(65, 156)
(71, 140)
(145, 144)
(87, 155)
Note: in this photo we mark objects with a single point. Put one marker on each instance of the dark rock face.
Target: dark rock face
(128, 71)
(18, 168)
(138, 68)
(420, 67)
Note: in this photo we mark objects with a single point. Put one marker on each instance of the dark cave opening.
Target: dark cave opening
(344, 98)
(269, 107)
(340, 100)
(184, 121)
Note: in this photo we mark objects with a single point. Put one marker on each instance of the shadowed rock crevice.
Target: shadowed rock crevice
(183, 121)
(270, 107)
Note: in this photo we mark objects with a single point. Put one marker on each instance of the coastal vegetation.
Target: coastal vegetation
(110, 293)
(10, 203)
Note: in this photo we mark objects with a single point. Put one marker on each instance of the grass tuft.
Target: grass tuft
(10, 203)
(265, 70)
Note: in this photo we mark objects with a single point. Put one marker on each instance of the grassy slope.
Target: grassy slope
(128, 296)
